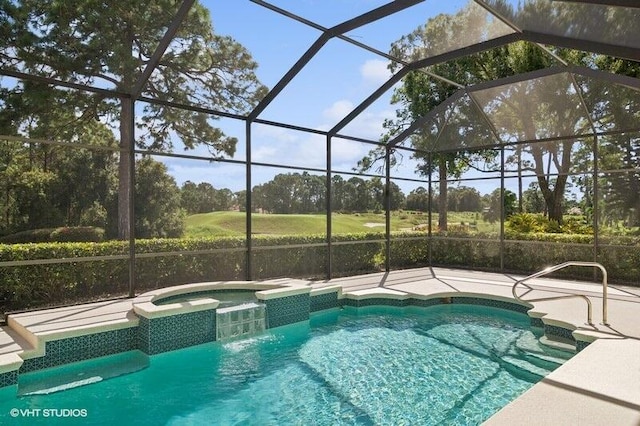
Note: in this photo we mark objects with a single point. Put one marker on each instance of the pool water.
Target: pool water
(226, 297)
(447, 364)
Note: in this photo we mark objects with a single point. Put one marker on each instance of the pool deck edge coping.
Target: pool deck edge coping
(277, 293)
(326, 290)
(377, 293)
(38, 340)
(10, 362)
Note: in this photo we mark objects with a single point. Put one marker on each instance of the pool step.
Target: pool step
(544, 361)
(524, 369)
(531, 359)
(533, 344)
(529, 346)
(559, 344)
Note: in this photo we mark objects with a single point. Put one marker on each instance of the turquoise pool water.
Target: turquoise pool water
(226, 297)
(447, 364)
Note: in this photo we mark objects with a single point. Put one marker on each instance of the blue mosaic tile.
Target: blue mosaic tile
(176, 331)
(500, 304)
(377, 301)
(287, 310)
(80, 348)
(580, 345)
(324, 301)
(179, 343)
(553, 330)
(288, 304)
(424, 303)
(9, 378)
(536, 322)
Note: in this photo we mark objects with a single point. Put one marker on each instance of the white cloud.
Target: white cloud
(338, 110)
(273, 132)
(264, 153)
(375, 71)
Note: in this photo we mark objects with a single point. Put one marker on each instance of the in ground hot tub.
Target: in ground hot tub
(187, 315)
(230, 297)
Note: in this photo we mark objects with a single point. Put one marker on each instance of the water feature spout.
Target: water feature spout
(240, 320)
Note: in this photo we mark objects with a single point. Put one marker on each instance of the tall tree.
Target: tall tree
(418, 199)
(70, 180)
(158, 210)
(420, 93)
(533, 202)
(457, 130)
(494, 211)
(110, 43)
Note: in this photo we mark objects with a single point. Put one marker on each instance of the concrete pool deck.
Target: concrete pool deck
(598, 386)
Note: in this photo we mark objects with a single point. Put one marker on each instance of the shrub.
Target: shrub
(78, 234)
(46, 235)
(526, 222)
(42, 235)
(537, 223)
(576, 225)
(181, 261)
(96, 215)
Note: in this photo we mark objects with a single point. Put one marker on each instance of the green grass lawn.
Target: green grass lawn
(228, 223)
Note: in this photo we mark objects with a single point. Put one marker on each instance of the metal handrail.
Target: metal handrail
(562, 266)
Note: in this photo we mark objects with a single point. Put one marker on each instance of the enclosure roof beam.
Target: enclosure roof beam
(352, 41)
(624, 52)
(542, 39)
(631, 82)
(533, 37)
(171, 32)
(423, 63)
(109, 93)
(422, 120)
(225, 114)
(328, 34)
(515, 28)
(498, 15)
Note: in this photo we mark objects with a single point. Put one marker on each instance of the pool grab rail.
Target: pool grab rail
(562, 266)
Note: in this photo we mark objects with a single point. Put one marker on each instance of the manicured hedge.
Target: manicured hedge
(209, 259)
(64, 234)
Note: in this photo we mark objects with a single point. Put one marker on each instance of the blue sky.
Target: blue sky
(331, 85)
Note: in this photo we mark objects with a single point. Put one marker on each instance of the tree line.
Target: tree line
(45, 186)
(93, 43)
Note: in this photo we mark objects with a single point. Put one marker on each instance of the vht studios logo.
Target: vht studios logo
(48, 412)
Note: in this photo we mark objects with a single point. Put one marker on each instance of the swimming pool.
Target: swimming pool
(451, 364)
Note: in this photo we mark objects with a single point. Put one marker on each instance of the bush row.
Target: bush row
(64, 234)
(208, 259)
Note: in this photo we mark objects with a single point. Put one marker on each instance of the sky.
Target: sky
(336, 80)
